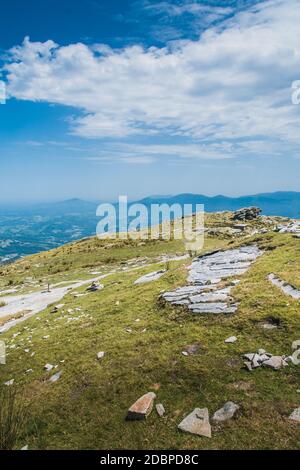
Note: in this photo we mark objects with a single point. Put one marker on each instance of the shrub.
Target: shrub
(13, 414)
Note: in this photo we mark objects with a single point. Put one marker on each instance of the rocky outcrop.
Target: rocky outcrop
(206, 292)
(247, 213)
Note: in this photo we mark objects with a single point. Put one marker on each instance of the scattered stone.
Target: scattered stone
(295, 415)
(150, 277)
(29, 371)
(94, 287)
(254, 360)
(231, 339)
(226, 412)
(48, 367)
(197, 422)
(249, 357)
(184, 353)
(9, 382)
(275, 362)
(57, 307)
(25, 447)
(296, 345)
(100, 355)
(55, 377)
(292, 227)
(142, 408)
(160, 409)
(46, 337)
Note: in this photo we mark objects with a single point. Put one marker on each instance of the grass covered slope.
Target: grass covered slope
(143, 339)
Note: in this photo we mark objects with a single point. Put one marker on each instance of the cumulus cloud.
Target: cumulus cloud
(230, 87)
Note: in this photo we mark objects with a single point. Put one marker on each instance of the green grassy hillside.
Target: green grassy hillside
(143, 339)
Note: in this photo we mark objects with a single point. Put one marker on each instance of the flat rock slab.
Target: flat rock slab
(231, 339)
(55, 377)
(222, 264)
(142, 408)
(275, 362)
(213, 307)
(284, 286)
(150, 277)
(295, 415)
(205, 294)
(226, 412)
(197, 423)
(292, 227)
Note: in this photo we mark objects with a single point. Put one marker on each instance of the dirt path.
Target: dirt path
(36, 302)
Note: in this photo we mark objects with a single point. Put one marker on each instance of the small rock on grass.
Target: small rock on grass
(226, 412)
(9, 382)
(295, 415)
(55, 377)
(100, 355)
(261, 351)
(275, 362)
(48, 367)
(142, 408)
(160, 409)
(231, 339)
(197, 423)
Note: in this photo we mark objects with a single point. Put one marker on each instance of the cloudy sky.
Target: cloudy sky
(143, 97)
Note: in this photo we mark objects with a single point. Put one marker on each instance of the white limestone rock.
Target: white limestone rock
(197, 423)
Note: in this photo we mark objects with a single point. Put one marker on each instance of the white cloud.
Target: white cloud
(231, 84)
(191, 7)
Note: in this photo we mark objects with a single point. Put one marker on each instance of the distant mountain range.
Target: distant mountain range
(29, 229)
(280, 203)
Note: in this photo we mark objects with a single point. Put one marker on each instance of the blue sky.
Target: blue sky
(143, 97)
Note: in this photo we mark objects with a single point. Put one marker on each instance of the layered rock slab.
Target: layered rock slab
(286, 288)
(206, 292)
